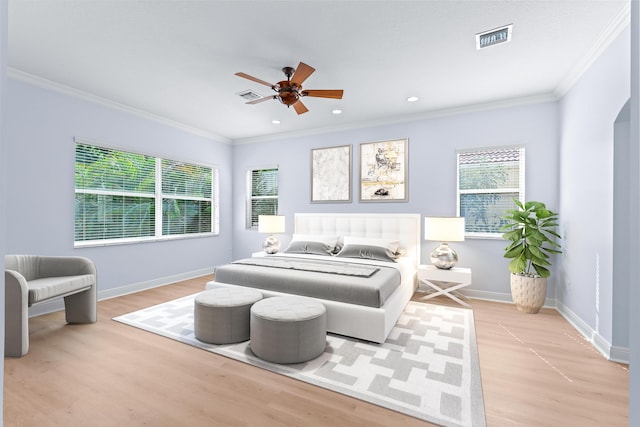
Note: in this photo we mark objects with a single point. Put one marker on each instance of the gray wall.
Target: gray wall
(588, 113)
(41, 126)
(432, 177)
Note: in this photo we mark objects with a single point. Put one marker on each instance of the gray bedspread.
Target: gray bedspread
(351, 283)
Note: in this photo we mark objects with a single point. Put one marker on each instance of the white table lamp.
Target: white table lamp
(444, 230)
(271, 224)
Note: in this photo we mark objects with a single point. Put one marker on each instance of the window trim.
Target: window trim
(158, 197)
(520, 190)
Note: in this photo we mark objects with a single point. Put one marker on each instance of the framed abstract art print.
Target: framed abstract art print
(331, 174)
(383, 171)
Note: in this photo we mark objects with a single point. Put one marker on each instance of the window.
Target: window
(488, 181)
(262, 194)
(129, 197)
(186, 198)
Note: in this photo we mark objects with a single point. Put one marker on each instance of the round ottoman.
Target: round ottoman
(288, 329)
(221, 316)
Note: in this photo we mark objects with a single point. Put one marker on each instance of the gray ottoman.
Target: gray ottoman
(221, 316)
(288, 329)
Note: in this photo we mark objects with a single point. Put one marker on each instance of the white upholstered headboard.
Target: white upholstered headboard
(403, 227)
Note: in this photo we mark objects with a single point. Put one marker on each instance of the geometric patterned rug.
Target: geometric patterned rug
(428, 367)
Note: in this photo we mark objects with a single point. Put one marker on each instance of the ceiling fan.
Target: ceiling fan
(290, 91)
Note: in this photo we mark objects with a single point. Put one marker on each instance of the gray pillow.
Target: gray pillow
(367, 252)
(310, 248)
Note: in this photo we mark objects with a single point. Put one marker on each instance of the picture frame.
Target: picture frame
(384, 171)
(331, 174)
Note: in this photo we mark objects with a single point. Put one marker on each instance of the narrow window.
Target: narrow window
(262, 192)
(488, 181)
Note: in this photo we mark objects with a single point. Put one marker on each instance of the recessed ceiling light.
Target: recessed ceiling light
(412, 99)
(337, 111)
(275, 122)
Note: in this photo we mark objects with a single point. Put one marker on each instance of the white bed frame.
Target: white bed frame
(367, 323)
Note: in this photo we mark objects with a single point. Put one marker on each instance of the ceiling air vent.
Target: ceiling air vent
(249, 95)
(494, 37)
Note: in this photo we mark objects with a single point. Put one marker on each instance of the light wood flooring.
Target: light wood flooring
(536, 371)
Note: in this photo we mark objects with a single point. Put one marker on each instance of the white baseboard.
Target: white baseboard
(499, 297)
(58, 304)
(486, 295)
(610, 352)
(150, 284)
(619, 354)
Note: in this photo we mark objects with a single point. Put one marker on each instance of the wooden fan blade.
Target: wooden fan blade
(259, 100)
(300, 108)
(255, 79)
(302, 73)
(323, 93)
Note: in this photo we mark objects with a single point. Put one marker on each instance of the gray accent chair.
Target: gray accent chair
(33, 279)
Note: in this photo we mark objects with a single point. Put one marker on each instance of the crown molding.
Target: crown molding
(621, 21)
(617, 26)
(67, 90)
(439, 113)
(70, 91)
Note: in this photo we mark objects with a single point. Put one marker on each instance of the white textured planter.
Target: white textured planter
(528, 293)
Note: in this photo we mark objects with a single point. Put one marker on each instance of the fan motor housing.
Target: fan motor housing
(289, 92)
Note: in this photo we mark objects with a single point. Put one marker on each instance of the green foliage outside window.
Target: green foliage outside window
(100, 168)
(116, 195)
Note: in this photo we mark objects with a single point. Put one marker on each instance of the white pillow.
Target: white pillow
(391, 245)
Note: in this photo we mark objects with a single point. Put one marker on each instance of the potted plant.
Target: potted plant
(531, 230)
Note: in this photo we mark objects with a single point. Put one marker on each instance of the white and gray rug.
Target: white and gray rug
(428, 368)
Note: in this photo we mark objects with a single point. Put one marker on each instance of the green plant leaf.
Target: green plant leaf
(518, 265)
(531, 230)
(540, 261)
(535, 251)
(553, 233)
(553, 251)
(512, 235)
(515, 251)
(541, 271)
(518, 203)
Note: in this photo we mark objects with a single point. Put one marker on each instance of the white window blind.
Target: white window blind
(186, 198)
(262, 191)
(122, 196)
(488, 181)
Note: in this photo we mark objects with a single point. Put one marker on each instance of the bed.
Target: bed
(369, 317)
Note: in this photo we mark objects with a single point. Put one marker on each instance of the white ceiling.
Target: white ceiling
(176, 60)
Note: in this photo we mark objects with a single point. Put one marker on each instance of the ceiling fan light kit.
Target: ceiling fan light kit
(290, 91)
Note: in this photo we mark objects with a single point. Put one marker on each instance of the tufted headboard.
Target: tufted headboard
(402, 227)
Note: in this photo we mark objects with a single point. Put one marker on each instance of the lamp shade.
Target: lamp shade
(271, 224)
(444, 229)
